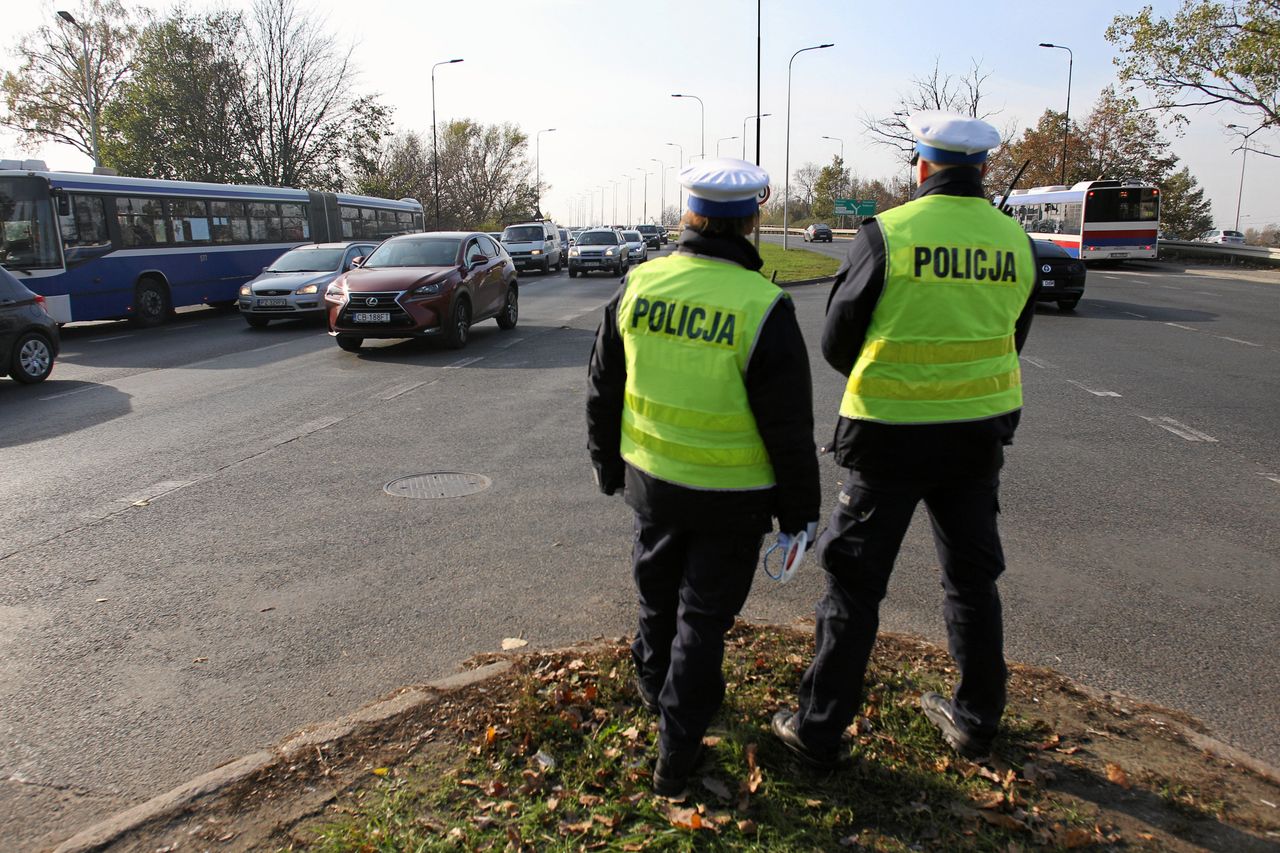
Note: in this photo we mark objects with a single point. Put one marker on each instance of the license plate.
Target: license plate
(1119, 254)
(1048, 283)
(376, 317)
(273, 302)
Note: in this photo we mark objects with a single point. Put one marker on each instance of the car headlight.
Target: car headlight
(309, 289)
(608, 253)
(536, 252)
(337, 292)
(426, 290)
(246, 290)
(573, 253)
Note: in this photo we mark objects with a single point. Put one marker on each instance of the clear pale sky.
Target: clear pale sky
(602, 73)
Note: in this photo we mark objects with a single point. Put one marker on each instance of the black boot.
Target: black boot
(784, 729)
(671, 775)
(938, 709)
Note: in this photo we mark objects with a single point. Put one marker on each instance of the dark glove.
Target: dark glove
(811, 529)
(609, 480)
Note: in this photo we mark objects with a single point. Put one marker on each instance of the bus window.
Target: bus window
(28, 228)
(189, 220)
(229, 223)
(141, 221)
(294, 220)
(85, 226)
(264, 222)
(350, 221)
(1071, 217)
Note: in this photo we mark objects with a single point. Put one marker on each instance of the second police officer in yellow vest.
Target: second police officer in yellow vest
(926, 319)
(700, 404)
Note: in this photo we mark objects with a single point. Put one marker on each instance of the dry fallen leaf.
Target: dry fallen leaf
(1002, 820)
(381, 771)
(747, 826)
(711, 741)
(1075, 837)
(989, 800)
(1117, 776)
(490, 735)
(199, 660)
(715, 786)
(511, 643)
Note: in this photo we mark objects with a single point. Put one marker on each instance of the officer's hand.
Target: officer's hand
(609, 482)
(811, 533)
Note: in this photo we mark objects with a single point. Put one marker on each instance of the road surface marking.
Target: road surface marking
(267, 347)
(1179, 429)
(1238, 341)
(463, 363)
(1204, 293)
(1135, 314)
(109, 338)
(509, 343)
(1084, 387)
(1275, 478)
(1180, 326)
(144, 496)
(69, 393)
(1037, 362)
(404, 389)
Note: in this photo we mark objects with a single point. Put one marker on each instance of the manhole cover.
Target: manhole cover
(448, 484)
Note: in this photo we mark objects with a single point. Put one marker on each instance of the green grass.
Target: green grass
(563, 760)
(796, 264)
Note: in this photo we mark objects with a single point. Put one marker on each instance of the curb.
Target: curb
(183, 797)
(784, 284)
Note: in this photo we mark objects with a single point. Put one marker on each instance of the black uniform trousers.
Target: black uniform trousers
(691, 585)
(858, 549)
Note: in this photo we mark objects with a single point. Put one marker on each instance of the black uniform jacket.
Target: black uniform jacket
(779, 391)
(963, 449)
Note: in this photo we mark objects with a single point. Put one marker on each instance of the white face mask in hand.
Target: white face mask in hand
(790, 550)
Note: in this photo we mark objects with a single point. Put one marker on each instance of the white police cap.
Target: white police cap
(952, 139)
(724, 187)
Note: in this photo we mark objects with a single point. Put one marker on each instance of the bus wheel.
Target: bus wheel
(150, 303)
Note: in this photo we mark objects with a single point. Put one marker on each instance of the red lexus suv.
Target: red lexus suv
(424, 285)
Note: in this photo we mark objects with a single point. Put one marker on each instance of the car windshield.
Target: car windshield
(522, 234)
(632, 236)
(28, 238)
(434, 252)
(1045, 249)
(598, 238)
(1232, 234)
(307, 260)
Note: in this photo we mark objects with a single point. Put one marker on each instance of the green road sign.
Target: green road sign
(854, 207)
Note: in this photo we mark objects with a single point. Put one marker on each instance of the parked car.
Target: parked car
(424, 285)
(294, 285)
(534, 245)
(652, 235)
(637, 248)
(1219, 235)
(1059, 277)
(28, 335)
(818, 232)
(599, 249)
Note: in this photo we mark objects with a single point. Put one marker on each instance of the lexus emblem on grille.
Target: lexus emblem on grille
(373, 300)
(1045, 268)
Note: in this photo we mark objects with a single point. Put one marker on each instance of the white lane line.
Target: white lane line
(1275, 478)
(463, 363)
(510, 343)
(1238, 341)
(109, 338)
(1135, 314)
(69, 393)
(1179, 429)
(268, 346)
(1084, 387)
(1180, 326)
(1037, 362)
(1204, 293)
(403, 389)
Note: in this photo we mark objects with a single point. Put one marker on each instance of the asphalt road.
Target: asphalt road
(197, 555)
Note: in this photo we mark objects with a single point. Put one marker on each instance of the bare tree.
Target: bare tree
(933, 91)
(299, 94)
(47, 99)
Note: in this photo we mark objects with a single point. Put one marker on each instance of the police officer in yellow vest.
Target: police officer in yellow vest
(926, 319)
(700, 404)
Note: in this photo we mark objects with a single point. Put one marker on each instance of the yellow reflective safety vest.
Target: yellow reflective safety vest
(940, 346)
(688, 326)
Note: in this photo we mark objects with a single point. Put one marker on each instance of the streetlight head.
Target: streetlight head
(832, 44)
(1047, 44)
(677, 96)
(451, 61)
(66, 16)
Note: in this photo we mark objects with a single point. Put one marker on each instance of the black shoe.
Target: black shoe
(647, 699)
(784, 729)
(672, 773)
(938, 709)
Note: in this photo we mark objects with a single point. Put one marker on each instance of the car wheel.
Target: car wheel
(510, 310)
(256, 322)
(150, 303)
(1068, 304)
(459, 329)
(559, 265)
(573, 273)
(350, 343)
(32, 359)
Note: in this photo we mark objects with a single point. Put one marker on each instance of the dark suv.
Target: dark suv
(599, 249)
(652, 235)
(28, 335)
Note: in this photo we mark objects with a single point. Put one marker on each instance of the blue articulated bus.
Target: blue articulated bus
(102, 247)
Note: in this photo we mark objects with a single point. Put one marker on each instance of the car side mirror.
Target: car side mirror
(476, 260)
(355, 262)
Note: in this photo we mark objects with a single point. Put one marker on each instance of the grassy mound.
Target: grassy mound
(795, 264)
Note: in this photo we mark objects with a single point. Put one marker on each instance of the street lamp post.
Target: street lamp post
(630, 179)
(1066, 116)
(615, 201)
(602, 204)
(786, 192)
(744, 132)
(703, 111)
(664, 183)
(88, 86)
(680, 166)
(644, 205)
(537, 175)
(723, 139)
(1244, 155)
(841, 141)
(435, 152)
(662, 188)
